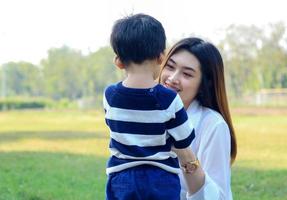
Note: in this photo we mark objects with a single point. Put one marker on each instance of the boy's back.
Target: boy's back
(139, 120)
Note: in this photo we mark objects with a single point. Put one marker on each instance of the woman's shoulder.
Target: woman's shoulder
(212, 120)
(205, 118)
(212, 115)
(213, 126)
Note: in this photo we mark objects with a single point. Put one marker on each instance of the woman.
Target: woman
(194, 69)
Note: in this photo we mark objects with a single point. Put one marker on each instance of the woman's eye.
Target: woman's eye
(170, 67)
(187, 75)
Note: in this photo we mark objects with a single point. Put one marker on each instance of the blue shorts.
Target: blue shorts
(144, 182)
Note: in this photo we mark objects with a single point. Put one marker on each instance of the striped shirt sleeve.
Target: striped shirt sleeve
(179, 127)
(105, 103)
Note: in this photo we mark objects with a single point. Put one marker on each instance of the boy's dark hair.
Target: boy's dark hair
(137, 38)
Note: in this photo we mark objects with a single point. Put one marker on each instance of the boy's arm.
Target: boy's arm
(183, 133)
(192, 171)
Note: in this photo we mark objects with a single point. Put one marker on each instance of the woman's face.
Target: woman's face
(182, 74)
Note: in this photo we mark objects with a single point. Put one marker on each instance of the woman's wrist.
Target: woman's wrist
(195, 179)
(184, 155)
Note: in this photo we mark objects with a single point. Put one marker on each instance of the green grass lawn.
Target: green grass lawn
(260, 171)
(57, 155)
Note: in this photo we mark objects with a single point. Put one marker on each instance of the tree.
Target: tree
(272, 58)
(63, 73)
(101, 71)
(22, 79)
(240, 50)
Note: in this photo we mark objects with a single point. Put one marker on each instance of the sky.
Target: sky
(29, 28)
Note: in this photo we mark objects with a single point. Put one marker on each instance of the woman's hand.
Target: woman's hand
(192, 171)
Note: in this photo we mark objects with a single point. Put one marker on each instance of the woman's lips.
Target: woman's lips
(171, 87)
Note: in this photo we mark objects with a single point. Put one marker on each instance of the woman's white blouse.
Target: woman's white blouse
(212, 147)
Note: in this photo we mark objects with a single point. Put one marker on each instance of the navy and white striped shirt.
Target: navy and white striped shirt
(144, 124)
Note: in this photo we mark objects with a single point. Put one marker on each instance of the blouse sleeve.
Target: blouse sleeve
(214, 156)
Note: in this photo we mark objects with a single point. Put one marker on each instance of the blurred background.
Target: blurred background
(55, 61)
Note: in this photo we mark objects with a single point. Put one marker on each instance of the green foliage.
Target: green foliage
(254, 58)
(19, 103)
(62, 72)
(21, 79)
(101, 70)
(23, 103)
(273, 59)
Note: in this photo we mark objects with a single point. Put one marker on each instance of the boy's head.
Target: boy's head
(137, 38)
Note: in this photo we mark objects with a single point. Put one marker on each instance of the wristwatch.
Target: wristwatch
(191, 166)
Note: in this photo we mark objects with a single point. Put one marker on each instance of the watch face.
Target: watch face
(190, 167)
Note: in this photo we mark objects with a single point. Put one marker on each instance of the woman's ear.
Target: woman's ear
(160, 59)
(118, 62)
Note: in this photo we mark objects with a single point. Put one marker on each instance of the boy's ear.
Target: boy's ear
(118, 62)
(160, 59)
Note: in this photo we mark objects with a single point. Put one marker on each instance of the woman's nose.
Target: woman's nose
(173, 78)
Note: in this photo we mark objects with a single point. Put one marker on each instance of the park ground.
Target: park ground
(61, 155)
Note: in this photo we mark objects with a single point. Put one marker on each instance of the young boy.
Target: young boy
(145, 119)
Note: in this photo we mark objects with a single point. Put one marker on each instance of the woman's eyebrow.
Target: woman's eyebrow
(189, 68)
(171, 60)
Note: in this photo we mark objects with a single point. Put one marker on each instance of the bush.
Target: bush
(23, 103)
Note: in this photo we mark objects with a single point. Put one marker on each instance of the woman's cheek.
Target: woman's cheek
(164, 76)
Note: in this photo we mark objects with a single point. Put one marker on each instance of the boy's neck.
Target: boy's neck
(141, 75)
